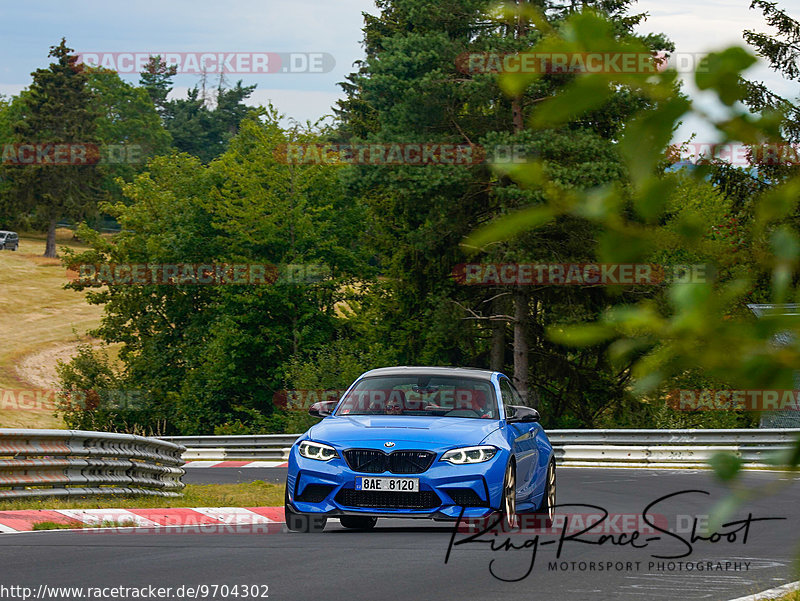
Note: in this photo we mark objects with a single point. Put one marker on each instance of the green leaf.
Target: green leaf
(651, 201)
(624, 247)
(720, 71)
(784, 458)
(646, 137)
(508, 226)
(587, 93)
(722, 512)
(579, 335)
(777, 203)
(785, 244)
(725, 465)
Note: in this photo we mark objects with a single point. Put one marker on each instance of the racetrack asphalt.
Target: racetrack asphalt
(405, 559)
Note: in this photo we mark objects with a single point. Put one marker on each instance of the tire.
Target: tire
(508, 509)
(358, 522)
(302, 522)
(546, 511)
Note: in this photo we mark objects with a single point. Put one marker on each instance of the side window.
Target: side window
(507, 393)
(517, 398)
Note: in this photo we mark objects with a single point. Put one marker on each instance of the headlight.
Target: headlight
(317, 450)
(469, 455)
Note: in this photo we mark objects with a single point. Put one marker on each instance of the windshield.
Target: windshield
(421, 395)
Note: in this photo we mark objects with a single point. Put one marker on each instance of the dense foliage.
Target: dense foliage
(591, 182)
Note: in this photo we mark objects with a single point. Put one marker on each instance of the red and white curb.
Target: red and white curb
(236, 464)
(23, 520)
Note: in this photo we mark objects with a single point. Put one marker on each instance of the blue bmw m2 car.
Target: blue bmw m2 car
(421, 442)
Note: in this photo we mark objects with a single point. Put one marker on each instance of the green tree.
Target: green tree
(201, 124)
(782, 52)
(128, 126)
(156, 79)
(214, 356)
(412, 88)
(202, 131)
(58, 108)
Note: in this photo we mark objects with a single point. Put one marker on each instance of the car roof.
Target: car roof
(465, 372)
(6, 232)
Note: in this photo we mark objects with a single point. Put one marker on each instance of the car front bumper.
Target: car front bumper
(442, 487)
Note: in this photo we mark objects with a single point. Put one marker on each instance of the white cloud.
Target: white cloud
(307, 26)
(701, 26)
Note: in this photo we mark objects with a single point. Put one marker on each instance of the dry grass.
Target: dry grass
(248, 494)
(39, 321)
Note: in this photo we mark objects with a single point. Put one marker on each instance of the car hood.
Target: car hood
(438, 431)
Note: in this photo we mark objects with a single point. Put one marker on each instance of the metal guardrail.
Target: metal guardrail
(270, 447)
(668, 448)
(49, 463)
(611, 448)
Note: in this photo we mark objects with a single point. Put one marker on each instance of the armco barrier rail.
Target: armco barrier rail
(668, 448)
(47, 463)
(273, 447)
(611, 448)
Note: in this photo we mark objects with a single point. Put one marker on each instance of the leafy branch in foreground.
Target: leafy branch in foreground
(702, 326)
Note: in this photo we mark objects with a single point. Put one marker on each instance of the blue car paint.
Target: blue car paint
(525, 442)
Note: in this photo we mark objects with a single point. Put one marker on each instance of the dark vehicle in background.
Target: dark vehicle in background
(9, 240)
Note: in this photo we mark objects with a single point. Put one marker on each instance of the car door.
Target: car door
(522, 441)
(534, 431)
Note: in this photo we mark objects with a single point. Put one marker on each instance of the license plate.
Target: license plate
(391, 484)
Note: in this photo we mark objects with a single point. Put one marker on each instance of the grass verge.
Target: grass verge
(40, 321)
(247, 494)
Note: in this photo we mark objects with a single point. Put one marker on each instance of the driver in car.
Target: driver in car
(394, 406)
(464, 400)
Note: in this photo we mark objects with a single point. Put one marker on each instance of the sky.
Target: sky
(309, 28)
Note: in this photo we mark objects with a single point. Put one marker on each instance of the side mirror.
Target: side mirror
(322, 409)
(523, 415)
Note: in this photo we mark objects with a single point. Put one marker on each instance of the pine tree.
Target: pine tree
(157, 80)
(58, 109)
(782, 52)
(410, 88)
